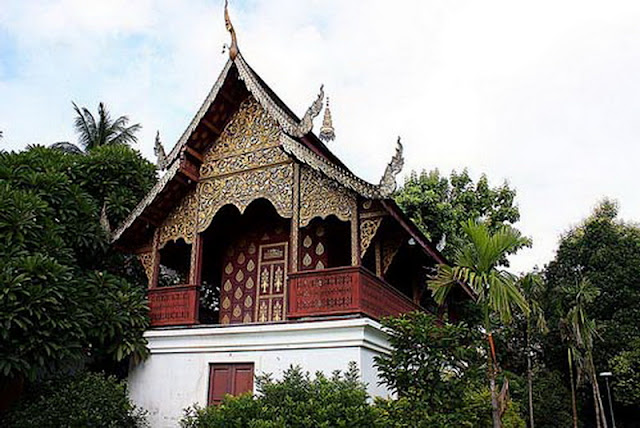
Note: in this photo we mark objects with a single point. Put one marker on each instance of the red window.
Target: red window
(233, 379)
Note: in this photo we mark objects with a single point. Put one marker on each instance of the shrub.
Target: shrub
(295, 401)
(84, 400)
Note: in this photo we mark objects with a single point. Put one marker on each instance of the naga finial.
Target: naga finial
(327, 132)
(233, 49)
(161, 156)
(388, 183)
(306, 124)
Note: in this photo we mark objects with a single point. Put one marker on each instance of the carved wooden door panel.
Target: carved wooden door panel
(272, 284)
(239, 279)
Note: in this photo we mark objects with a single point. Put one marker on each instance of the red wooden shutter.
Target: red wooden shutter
(234, 379)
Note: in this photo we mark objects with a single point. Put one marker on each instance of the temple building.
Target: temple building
(263, 250)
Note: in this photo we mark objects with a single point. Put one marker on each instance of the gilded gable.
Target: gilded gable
(250, 139)
(245, 163)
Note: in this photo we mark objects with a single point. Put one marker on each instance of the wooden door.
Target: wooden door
(233, 379)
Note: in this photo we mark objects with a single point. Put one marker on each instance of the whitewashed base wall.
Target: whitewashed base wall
(176, 375)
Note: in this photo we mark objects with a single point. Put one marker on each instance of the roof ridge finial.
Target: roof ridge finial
(327, 132)
(306, 124)
(388, 183)
(233, 49)
(161, 157)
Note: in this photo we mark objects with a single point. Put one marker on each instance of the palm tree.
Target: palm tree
(105, 131)
(580, 333)
(532, 286)
(479, 266)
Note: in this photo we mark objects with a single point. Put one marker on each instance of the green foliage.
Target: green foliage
(439, 205)
(606, 251)
(295, 401)
(86, 400)
(65, 296)
(437, 370)
(431, 361)
(551, 400)
(626, 375)
(597, 261)
(117, 175)
(477, 265)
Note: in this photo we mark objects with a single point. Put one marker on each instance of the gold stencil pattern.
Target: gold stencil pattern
(146, 260)
(250, 129)
(321, 197)
(180, 223)
(272, 183)
(368, 230)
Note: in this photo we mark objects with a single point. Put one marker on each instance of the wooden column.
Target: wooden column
(155, 251)
(378, 256)
(355, 234)
(294, 257)
(195, 268)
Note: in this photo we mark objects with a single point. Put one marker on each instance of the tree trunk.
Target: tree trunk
(595, 404)
(597, 398)
(530, 379)
(574, 408)
(495, 408)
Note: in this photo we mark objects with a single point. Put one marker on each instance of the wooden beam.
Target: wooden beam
(229, 98)
(195, 154)
(211, 126)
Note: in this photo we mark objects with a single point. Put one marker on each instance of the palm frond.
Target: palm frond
(84, 126)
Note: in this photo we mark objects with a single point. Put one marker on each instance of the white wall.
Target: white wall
(176, 374)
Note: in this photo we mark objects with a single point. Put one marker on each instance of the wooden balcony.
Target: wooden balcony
(342, 291)
(335, 291)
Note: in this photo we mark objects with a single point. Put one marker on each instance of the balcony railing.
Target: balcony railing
(342, 291)
(334, 291)
(176, 305)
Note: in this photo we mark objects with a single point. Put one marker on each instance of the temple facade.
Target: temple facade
(263, 250)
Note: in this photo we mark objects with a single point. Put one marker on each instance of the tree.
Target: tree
(103, 132)
(436, 370)
(581, 333)
(478, 265)
(440, 205)
(65, 296)
(605, 250)
(532, 286)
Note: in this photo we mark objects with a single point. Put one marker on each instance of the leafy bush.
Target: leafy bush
(86, 400)
(295, 401)
(438, 371)
(65, 295)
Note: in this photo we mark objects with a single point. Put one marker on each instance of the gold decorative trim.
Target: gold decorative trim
(274, 184)
(181, 221)
(321, 197)
(295, 220)
(318, 163)
(146, 260)
(355, 231)
(368, 230)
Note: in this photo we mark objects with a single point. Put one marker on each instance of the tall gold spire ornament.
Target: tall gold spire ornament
(327, 132)
(233, 49)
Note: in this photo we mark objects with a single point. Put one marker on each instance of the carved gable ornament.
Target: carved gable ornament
(321, 197)
(245, 163)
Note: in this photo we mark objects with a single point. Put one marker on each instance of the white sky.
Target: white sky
(540, 93)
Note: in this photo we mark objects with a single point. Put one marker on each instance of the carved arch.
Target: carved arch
(274, 184)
